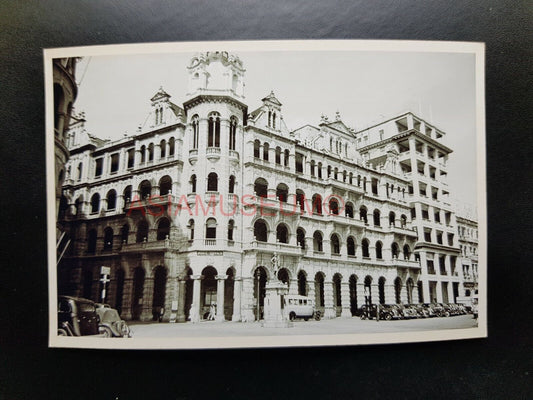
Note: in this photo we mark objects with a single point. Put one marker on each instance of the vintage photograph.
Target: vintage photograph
(265, 194)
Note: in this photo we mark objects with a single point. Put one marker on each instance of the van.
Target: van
(296, 306)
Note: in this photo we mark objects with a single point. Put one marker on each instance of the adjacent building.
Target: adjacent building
(193, 209)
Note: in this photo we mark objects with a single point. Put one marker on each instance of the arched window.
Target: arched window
(335, 244)
(282, 234)
(365, 246)
(211, 228)
(231, 227)
(232, 133)
(300, 237)
(286, 158)
(350, 246)
(335, 173)
(192, 181)
(191, 229)
(302, 283)
(80, 171)
(300, 199)
(143, 154)
(213, 131)
(91, 241)
(108, 239)
(334, 206)
(146, 189)
(319, 170)
(231, 186)
(344, 175)
(403, 221)
(165, 185)
(124, 233)
(398, 290)
(234, 82)
(257, 149)
(195, 131)
(266, 148)
(348, 210)
(163, 147)
(163, 229)
(111, 199)
(150, 152)
(269, 118)
(395, 250)
(142, 231)
(274, 120)
(381, 289)
(329, 171)
(350, 179)
(260, 230)
(317, 241)
(171, 146)
(392, 218)
(278, 155)
(406, 252)
(377, 218)
(379, 250)
(95, 203)
(212, 182)
(282, 192)
(363, 214)
(317, 204)
(261, 187)
(127, 194)
(368, 289)
(312, 167)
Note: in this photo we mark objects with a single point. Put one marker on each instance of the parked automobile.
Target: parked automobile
(389, 311)
(368, 312)
(111, 325)
(77, 316)
(297, 306)
(418, 310)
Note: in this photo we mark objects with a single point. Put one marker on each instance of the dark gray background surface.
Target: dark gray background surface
(497, 367)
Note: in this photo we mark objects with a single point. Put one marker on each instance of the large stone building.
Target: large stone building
(191, 209)
(468, 246)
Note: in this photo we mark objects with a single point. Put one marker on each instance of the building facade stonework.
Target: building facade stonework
(190, 211)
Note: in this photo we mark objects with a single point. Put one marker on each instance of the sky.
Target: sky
(365, 87)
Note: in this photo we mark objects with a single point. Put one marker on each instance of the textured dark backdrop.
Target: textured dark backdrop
(498, 367)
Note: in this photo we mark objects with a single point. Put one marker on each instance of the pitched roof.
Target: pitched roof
(272, 98)
(160, 94)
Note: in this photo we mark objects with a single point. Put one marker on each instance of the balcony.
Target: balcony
(193, 156)
(280, 248)
(234, 154)
(213, 153)
(152, 246)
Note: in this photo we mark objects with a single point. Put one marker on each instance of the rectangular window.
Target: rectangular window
(114, 163)
(98, 167)
(439, 237)
(450, 239)
(374, 186)
(431, 267)
(427, 235)
(131, 158)
(299, 163)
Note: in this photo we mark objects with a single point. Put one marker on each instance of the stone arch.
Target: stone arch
(163, 228)
(320, 278)
(139, 275)
(337, 298)
(261, 230)
(398, 290)
(282, 233)
(165, 185)
(160, 274)
(352, 283)
(381, 289)
(302, 283)
(261, 276)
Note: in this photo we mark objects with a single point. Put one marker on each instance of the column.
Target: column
(148, 294)
(247, 300)
(374, 289)
(221, 279)
(195, 307)
(157, 150)
(360, 292)
(345, 300)
(415, 292)
(126, 299)
(329, 308)
(237, 288)
(293, 286)
(171, 299)
(390, 293)
(181, 299)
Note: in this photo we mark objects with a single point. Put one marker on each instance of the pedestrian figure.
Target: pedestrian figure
(161, 313)
(212, 312)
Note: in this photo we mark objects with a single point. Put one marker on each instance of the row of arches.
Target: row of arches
(334, 206)
(262, 151)
(213, 131)
(261, 230)
(145, 191)
(212, 183)
(162, 228)
(167, 149)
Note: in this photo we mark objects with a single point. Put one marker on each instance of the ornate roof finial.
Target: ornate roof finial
(337, 116)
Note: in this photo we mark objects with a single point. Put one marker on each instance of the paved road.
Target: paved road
(300, 327)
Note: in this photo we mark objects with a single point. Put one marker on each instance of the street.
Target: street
(301, 327)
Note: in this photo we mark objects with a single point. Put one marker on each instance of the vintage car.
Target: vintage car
(77, 317)
(111, 325)
(368, 311)
(389, 311)
(297, 306)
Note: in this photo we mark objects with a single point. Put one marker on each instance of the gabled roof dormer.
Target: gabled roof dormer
(163, 112)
